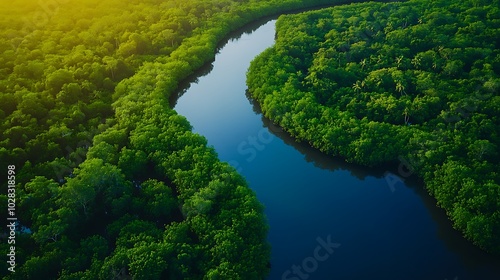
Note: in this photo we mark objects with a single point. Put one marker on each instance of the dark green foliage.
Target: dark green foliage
(418, 81)
(111, 182)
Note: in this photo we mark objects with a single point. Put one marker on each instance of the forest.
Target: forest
(413, 83)
(110, 182)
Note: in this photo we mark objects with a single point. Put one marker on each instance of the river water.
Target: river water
(328, 219)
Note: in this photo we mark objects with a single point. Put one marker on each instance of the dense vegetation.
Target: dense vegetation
(418, 81)
(111, 182)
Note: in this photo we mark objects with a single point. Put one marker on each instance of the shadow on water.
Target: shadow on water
(471, 255)
(186, 83)
(313, 155)
(475, 260)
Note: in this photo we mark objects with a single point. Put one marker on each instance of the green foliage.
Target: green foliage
(375, 82)
(111, 182)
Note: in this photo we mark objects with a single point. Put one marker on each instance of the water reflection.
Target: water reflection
(192, 79)
(307, 194)
(470, 255)
(313, 155)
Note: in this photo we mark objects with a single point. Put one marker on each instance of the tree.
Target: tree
(399, 59)
(108, 153)
(94, 180)
(133, 163)
(159, 200)
(400, 88)
(357, 86)
(55, 81)
(416, 61)
(453, 68)
(111, 65)
(480, 148)
(32, 104)
(148, 261)
(40, 194)
(363, 63)
(406, 114)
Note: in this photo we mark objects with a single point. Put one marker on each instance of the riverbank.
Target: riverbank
(308, 195)
(373, 88)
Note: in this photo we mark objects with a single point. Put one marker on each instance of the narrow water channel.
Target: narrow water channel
(328, 219)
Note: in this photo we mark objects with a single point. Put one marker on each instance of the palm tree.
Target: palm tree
(357, 86)
(400, 88)
(363, 63)
(416, 62)
(406, 114)
(442, 51)
(399, 60)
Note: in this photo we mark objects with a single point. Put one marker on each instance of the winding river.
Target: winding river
(328, 219)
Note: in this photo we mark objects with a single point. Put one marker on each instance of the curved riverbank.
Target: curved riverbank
(384, 86)
(309, 195)
(102, 164)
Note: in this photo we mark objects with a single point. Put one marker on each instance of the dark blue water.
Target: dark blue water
(328, 219)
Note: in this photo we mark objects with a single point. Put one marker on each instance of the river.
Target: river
(328, 219)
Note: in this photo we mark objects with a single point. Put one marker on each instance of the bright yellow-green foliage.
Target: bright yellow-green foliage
(111, 181)
(417, 81)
